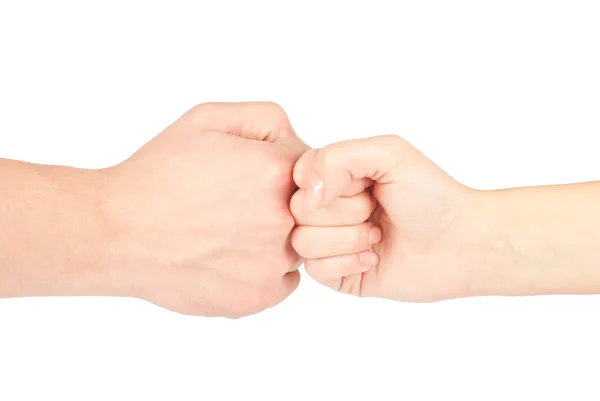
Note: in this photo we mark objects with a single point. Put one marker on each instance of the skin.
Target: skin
(196, 221)
(439, 239)
(199, 220)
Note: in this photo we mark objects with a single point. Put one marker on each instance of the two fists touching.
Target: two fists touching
(214, 216)
(202, 222)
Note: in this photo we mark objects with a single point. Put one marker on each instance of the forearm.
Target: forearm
(51, 231)
(545, 240)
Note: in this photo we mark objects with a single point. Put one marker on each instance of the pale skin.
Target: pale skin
(196, 221)
(201, 221)
(440, 239)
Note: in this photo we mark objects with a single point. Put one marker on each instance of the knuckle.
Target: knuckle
(277, 169)
(325, 157)
(295, 262)
(332, 158)
(391, 138)
(289, 260)
(300, 242)
(303, 166)
(286, 223)
(274, 107)
(198, 114)
(392, 141)
(272, 226)
(296, 206)
(197, 109)
(364, 206)
(298, 171)
(200, 109)
(276, 113)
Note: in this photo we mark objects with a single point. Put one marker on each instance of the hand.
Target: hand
(429, 243)
(200, 217)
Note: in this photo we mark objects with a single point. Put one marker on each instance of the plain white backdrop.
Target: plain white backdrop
(499, 93)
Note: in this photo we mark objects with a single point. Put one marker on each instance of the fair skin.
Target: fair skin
(440, 239)
(196, 221)
(199, 221)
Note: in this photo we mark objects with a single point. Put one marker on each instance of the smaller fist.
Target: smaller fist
(377, 218)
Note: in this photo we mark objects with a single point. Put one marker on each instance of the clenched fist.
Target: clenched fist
(378, 218)
(199, 221)
(199, 217)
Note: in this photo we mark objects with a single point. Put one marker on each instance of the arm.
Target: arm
(52, 238)
(440, 239)
(544, 240)
(149, 228)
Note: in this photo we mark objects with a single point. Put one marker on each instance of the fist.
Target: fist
(379, 219)
(200, 215)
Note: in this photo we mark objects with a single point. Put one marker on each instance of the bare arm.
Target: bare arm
(148, 228)
(440, 238)
(51, 233)
(546, 240)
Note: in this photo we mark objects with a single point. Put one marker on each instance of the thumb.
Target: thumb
(337, 169)
(290, 138)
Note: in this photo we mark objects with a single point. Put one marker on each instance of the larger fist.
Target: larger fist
(200, 217)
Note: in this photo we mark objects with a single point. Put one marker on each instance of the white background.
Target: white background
(499, 93)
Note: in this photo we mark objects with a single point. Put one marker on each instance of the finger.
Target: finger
(321, 242)
(304, 175)
(326, 173)
(334, 268)
(262, 121)
(352, 284)
(293, 256)
(342, 212)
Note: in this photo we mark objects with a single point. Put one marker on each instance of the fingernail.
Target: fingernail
(375, 235)
(368, 258)
(314, 195)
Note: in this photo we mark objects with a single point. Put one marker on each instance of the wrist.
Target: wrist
(521, 238)
(55, 239)
(121, 258)
(143, 237)
(84, 235)
(496, 266)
